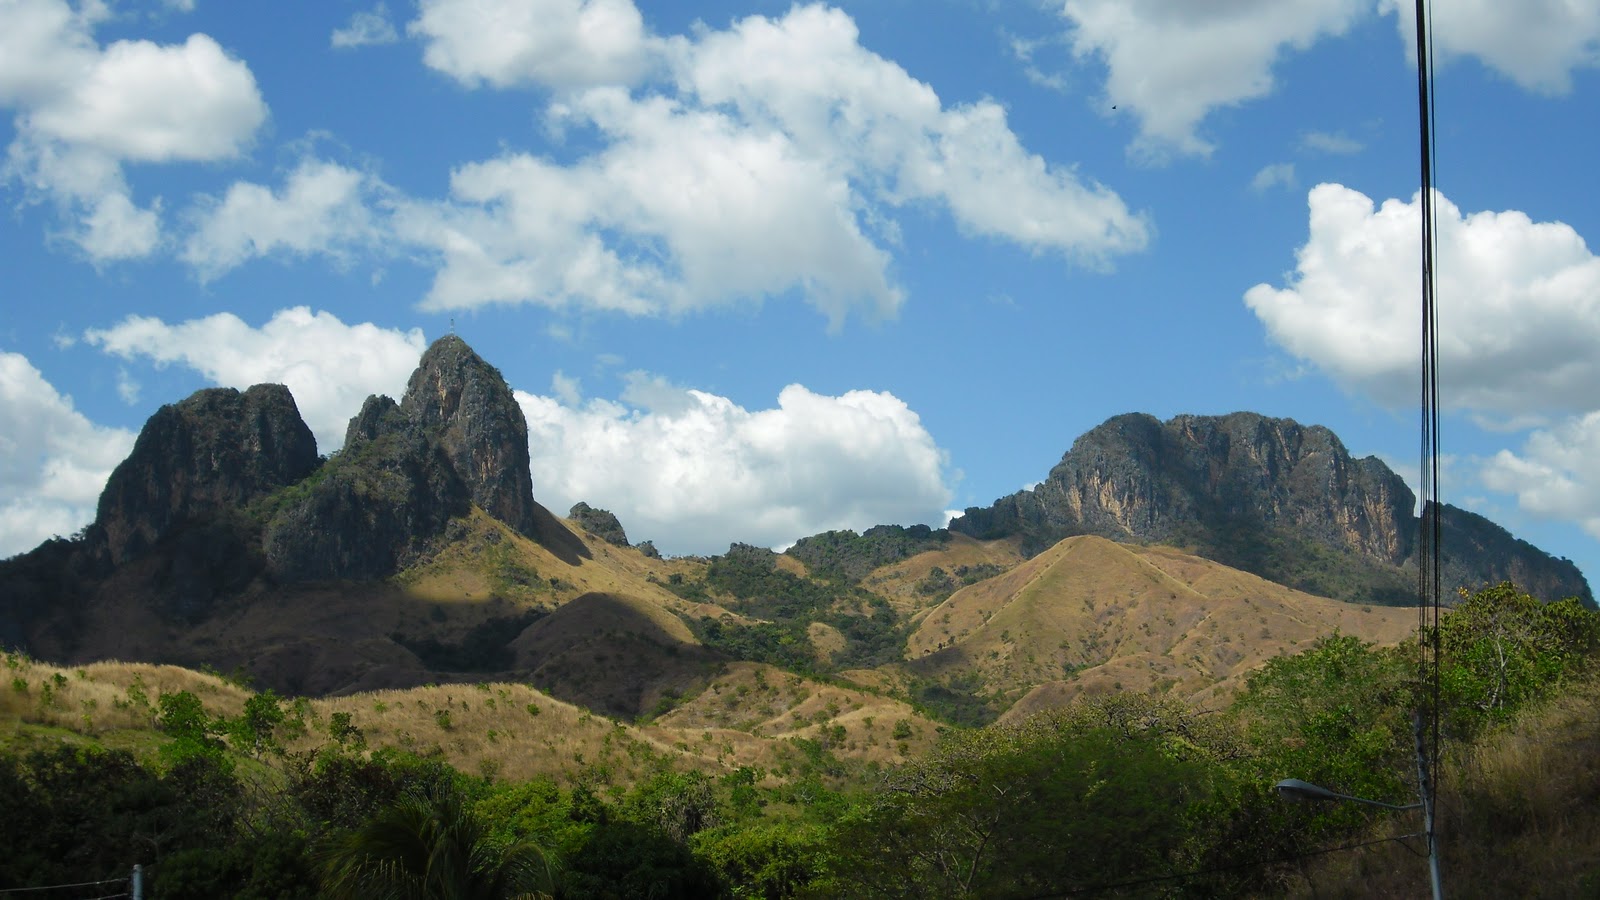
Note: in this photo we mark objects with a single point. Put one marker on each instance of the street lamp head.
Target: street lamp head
(1302, 791)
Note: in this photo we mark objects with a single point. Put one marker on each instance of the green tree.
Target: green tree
(433, 845)
(1501, 647)
(1013, 812)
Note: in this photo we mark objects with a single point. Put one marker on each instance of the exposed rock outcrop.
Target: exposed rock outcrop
(464, 403)
(599, 522)
(372, 510)
(1269, 496)
(457, 439)
(218, 450)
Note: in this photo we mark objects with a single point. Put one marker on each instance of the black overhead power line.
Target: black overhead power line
(1428, 557)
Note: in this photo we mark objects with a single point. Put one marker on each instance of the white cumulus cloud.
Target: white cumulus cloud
(323, 208)
(1538, 44)
(694, 471)
(1519, 322)
(557, 43)
(329, 366)
(773, 163)
(1172, 62)
(84, 111)
(1557, 473)
(1520, 305)
(53, 461)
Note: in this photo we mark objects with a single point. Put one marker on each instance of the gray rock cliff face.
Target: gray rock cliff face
(373, 509)
(1266, 495)
(457, 439)
(463, 402)
(217, 450)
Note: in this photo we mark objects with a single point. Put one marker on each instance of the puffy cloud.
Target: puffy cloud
(774, 167)
(1523, 301)
(1171, 62)
(860, 114)
(146, 102)
(53, 461)
(1538, 45)
(83, 111)
(367, 28)
(323, 208)
(329, 366)
(557, 43)
(115, 228)
(716, 472)
(1557, 474)
(699, 212)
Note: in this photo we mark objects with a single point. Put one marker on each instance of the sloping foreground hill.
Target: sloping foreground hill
(1091, 615)
(512, 731)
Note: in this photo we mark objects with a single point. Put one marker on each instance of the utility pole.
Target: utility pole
(1426, 790)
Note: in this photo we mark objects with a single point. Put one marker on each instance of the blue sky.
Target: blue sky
(759, 270)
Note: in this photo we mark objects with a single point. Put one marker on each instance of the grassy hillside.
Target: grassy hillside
(1093, 616)
(746, 715)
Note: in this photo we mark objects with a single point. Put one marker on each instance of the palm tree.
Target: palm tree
(432, 846)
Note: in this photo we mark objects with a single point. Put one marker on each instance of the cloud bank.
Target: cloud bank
(687, 469)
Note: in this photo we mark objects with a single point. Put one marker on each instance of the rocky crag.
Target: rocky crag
(456, 439)
(218, 450)
(1269, 496)
(225, 489)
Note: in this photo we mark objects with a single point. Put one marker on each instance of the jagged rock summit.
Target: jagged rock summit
(465, 402)
(219, 449)
(1269, 496)
(458, 438)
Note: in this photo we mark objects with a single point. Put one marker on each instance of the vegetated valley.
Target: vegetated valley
(392, 672)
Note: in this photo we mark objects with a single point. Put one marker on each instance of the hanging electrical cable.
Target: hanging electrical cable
(1428, 568)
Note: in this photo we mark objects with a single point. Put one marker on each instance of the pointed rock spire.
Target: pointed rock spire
(463, 402)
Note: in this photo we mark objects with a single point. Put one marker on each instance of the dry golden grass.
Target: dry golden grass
(768, 703)
(508, 731)
(1090, 616)
(95, 700)
(897, 583)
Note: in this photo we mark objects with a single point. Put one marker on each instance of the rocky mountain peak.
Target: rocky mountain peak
(1271, 496)
(219, 449)
(465, 403)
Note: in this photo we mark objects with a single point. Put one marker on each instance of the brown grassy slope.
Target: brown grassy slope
(763, 701)
(1518, 816)
(614, 653)
(42, 705)
(337, 637)
(898, 582)
(510, 731)
(1090, 615)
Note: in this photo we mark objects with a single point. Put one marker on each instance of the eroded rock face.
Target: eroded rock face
(463, 402)
(1266, 495)
(457, 439)
(373, 510)
(217, 450)
(601, 523)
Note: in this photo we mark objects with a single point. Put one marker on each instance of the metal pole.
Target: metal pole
(138, 882)
(1426, 790)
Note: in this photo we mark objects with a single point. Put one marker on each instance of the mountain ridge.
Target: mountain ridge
(411, 556)
(1266, 495)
